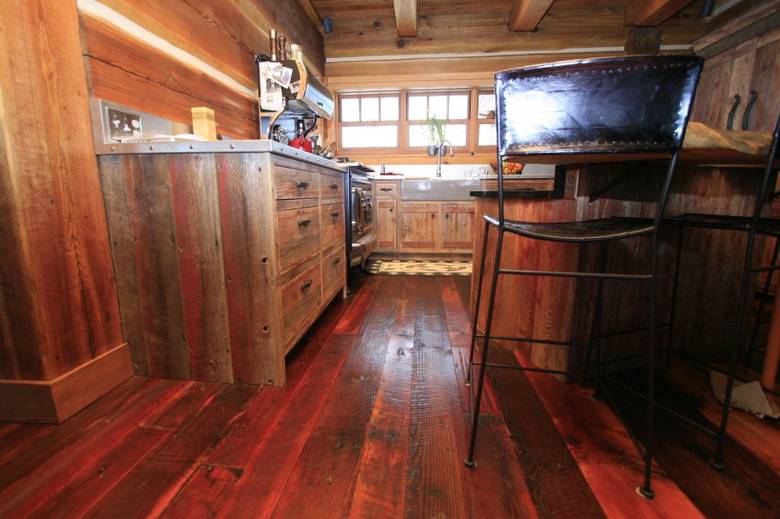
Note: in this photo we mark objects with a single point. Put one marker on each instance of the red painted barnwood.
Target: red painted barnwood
(17, 442)
(205, 492)
(381, 472)
(96, 476)
(50, 474)
(556, 484)
(497, 487)
(354, 322)
(322, 481)
(194, 398)
(150, 487)
(605, 454)
(435, 487)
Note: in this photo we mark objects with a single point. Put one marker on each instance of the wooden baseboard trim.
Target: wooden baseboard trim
(56, 400)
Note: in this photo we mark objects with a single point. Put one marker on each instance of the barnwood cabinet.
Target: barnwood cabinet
(224, 254)
(430, 226)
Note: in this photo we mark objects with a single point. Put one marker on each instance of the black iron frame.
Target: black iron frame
(753, 229)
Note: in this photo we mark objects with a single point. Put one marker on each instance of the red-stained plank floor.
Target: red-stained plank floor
(372, 423)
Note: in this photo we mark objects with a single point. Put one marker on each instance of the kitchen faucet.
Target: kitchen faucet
(438, 156)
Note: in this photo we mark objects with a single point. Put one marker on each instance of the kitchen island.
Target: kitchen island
(225, 253)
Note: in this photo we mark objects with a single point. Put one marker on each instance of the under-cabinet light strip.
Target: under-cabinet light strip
(102, 12)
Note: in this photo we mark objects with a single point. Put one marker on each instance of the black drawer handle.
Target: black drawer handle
(301, 184)
(304, 223)
(306, 285)
(385, 188)
(334, 186)
(335, 214)
(336, 261)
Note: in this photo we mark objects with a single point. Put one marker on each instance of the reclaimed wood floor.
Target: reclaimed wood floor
(372, 423)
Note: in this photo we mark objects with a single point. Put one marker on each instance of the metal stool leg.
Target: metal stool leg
(485, 347)
(646, 489)
(595, 328)
(767, 285)
(475, 317)
(673, 305)
(735, 347)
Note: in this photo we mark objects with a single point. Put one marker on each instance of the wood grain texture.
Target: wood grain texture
(199, 239)
(128, 72)
(405, 17)
(526, 14)
(653, 12)
(58, 305)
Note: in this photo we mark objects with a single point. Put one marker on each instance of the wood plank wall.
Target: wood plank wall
(58, 302)
(223, 34)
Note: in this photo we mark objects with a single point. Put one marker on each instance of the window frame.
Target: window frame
(403, 123)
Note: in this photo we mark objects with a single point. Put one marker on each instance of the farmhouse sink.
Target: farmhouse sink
(438, 189)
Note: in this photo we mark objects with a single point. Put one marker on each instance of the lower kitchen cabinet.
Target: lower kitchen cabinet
(457, 226)
(418, 226)
(386, 223)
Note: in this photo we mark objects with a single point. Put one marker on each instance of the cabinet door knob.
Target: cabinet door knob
(301, 184)
(306, 285)
(304, 222)
(335, 214)
(334, 186)
(337, 260)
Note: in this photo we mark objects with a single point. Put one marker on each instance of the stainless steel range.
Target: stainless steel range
(361, 231)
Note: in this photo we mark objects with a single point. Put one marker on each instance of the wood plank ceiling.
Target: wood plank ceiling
(370, 28)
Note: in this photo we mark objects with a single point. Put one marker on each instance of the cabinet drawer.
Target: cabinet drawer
(295, 183)
(332, 224)
(387, 189)
(334, 271)
(331, 186)
(300, 299)
(298, 235)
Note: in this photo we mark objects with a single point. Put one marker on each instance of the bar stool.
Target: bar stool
(581, 111)
(752, 225)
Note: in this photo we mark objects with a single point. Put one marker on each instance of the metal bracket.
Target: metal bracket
(733, 112)
(749, 109)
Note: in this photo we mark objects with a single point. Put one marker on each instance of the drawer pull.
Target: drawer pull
(334, 186)
(302, 184)
(304, 223)
(306, 285)
(385, 188)
(335, 214)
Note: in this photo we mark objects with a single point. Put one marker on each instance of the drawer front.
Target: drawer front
(300, 299)
(298, 235)
(332, 224)
(331, 186)
(386, 189)
(334, 271)
(295, 183)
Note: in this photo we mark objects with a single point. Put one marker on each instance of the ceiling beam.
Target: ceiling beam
(650, 13)
(312, 14)
(526, 14)
(406, 17)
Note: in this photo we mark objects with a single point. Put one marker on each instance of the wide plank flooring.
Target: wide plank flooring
(372, 423)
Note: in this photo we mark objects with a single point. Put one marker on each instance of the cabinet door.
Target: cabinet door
(386, 223)
(457, 226)
(418, 226)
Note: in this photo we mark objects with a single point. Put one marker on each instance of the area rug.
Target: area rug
(418, 267)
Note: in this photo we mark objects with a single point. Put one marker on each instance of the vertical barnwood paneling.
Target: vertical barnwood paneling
(247, 233)
(199, 240)
(138, 198)
(58, 306)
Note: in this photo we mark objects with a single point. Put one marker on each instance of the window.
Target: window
(397, 122)
(452, 109)
(486, 119)
(369, 121)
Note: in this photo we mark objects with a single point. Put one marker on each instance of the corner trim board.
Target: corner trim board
(56, 400)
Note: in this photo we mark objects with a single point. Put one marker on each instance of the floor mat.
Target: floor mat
(416, 267)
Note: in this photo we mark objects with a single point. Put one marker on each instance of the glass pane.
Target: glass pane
(456, 134)
(487, 135)
(389, 108)
(487, 106)
(369, 136)
(418, 106)
(437, 106)
(418, 135)
(459, 107)
(350, 109)
(369, 109)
